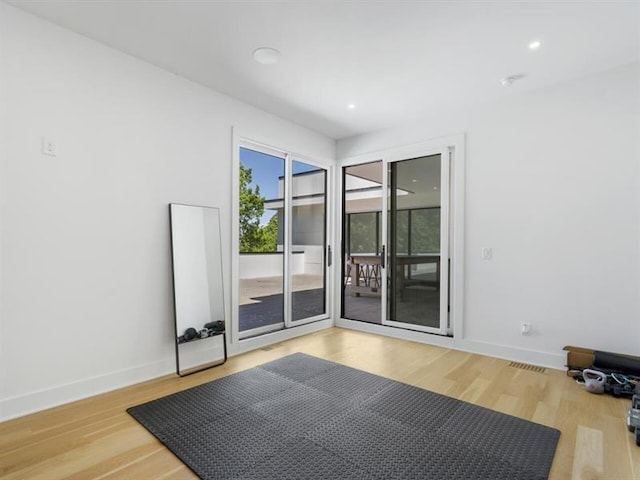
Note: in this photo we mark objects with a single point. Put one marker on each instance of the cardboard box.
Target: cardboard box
(578, 357)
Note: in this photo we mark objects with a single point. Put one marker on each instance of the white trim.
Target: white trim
(38, 400)
(384, 220)
(262, 148)
(397, 332)
(327, 241)
(274, 327)
(525, 355)
(234, 331)
(238, 342)
(400, 152)
(286, 237)
(533, 357)
(456, 238)
(338, 227)
(445, 162)
(445, 220)
(330, 297)
(267, 339)
(254, 141)
(338, 266)
(457, 202)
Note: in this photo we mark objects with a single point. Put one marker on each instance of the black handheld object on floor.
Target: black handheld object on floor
(611, 362)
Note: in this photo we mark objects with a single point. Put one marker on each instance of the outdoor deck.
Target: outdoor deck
(262, 303)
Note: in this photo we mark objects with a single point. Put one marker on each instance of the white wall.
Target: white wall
(85, 288)
(313, 258)
(86, 299)
(553, 186)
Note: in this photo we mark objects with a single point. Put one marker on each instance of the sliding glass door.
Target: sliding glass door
(261, 269)
(417, 239)
(283, 241)
(395, 268)
(362, 241)
(308, 243)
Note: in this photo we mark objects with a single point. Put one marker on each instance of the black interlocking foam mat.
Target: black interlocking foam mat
(301, 417)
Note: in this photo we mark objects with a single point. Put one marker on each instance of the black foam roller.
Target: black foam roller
(616, 363)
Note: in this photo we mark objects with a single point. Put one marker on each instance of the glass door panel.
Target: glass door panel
(417, 296)
(362, 187)
(307, 261)
(262, 217)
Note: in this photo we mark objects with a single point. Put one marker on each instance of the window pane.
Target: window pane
(261, 247)
(402, 232)
(362, 229)
(308, 216)
(362, 237)
(425, 231)
(413, 277)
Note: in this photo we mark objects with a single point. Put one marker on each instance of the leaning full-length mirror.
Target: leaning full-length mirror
(197, 282)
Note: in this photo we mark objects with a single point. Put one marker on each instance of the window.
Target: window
(282, 241)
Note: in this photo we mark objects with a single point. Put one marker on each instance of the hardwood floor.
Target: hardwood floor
(96, 438)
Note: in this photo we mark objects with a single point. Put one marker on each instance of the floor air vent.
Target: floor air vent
(531, 368)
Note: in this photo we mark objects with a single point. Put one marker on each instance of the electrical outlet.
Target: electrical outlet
(525, 328)
(48, 147)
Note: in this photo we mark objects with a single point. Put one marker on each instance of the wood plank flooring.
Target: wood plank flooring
(96, 439)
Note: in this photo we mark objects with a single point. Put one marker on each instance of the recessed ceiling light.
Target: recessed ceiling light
(534, 45)
(266, 55)
(413, 180)
(435, 188)
(351, 106)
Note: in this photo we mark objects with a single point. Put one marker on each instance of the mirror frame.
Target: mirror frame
(203, 333)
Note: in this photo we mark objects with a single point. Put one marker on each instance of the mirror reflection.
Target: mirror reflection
(198, 292)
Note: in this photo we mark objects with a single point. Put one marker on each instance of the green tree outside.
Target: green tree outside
(270, 235)
(253, 236)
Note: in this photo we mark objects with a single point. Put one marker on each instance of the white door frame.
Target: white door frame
(289, 322)
(455, 145)
(444, 243)
(288, 157)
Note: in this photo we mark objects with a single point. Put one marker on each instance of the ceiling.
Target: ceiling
(396, 61)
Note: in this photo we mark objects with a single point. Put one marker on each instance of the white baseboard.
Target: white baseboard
(249, 344)
(31, 402)
(25, 404)
(395, 332)
(535, 357)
